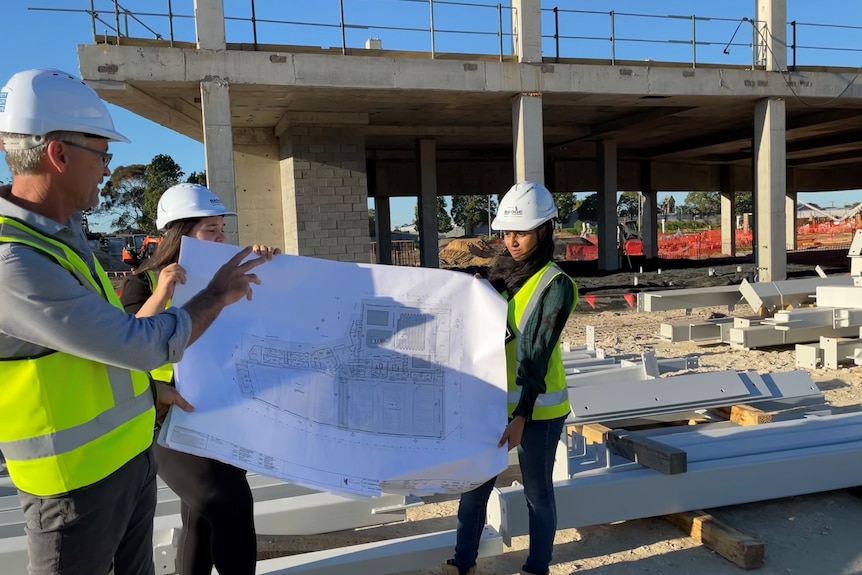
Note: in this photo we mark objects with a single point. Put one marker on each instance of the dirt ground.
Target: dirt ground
(812, 534)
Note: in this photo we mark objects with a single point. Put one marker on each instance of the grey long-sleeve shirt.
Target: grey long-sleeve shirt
(44, 308)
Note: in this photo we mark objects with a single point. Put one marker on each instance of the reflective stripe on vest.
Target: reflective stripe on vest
(555, 401)
(65, 421)
(165, 372)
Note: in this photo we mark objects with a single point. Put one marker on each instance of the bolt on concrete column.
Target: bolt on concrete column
(606, 163)
(649, 214)
(771, 16)
(790, 203)
(527, 30)
(770, 185)
(209, 24)
(528, 138)
(218, 149)
(727, 185)
(426, 175)
(383, 230)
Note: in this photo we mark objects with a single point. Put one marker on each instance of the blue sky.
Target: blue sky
(48, 39)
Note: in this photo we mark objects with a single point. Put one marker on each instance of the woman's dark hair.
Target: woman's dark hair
(168, 251)
(509, 275)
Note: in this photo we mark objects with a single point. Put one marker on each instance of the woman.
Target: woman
(541, 298)
(216, 503)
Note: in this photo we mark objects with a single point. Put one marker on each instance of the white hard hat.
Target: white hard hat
(185, 201)
(43, 100)
(525, 207)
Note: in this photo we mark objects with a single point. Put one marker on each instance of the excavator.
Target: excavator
(139, 247)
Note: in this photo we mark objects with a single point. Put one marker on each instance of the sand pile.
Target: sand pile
(466, 252)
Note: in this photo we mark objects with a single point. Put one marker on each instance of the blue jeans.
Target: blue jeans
(536, 457)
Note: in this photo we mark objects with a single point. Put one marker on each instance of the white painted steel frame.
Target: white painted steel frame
(780, 294)
(631, 491)
(666, 300)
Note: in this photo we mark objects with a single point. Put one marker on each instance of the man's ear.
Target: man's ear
(55, 155)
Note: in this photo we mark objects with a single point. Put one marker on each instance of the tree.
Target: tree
(444, 220)
(123, 199)
(588, 210)
(372, 223)
(162, 173)
(743, 203)
(703, 203)
(471, 211)
(197, 178)
(567, 203)
(628, 205)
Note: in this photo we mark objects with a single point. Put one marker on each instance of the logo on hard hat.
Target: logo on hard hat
(216, 202)
(3, 96)
(514, 211)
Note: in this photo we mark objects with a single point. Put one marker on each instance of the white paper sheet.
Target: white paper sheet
(344, 377)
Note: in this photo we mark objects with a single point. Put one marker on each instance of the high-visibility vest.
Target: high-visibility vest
(165, 372)
(555, 401)
(67, 422)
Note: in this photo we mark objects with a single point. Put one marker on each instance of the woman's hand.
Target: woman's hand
(265, 251)
(169, 277)
(513, 432)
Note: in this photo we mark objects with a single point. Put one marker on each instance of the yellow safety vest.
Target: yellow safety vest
(67, 422)
(165, 372)
(555, 401)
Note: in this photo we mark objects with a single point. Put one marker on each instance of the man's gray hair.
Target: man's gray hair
(26, 162)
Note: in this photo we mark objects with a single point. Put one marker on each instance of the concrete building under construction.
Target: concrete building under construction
(298, 138)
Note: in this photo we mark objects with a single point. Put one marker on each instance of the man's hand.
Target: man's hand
(265, 251)
(166, 396)
(232, 281)
(513, 432)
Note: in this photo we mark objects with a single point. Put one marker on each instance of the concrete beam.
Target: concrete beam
(465, 131)
(158, 111)
(833, 158)
(319, 119)
(528, 138)
(771, 16)
(157, 64)
(626, 122)
(527, 30)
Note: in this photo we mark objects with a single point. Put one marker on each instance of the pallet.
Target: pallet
(768, 412)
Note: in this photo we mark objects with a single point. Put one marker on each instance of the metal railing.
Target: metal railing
(438, 26)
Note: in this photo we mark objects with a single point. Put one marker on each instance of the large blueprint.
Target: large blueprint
(347, 377)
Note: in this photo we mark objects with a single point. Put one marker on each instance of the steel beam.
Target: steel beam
(843, 296)
(767, 336)
(631, 491)
(666, 300)
(770, 296)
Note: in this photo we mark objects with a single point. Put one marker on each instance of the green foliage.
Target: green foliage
(588, 209)
(703, 203)
(471, 211)
(444, 220)
(197, 178)
(743, 203)
(567, 204)
(132, 194)
(688, 226)
(628, 205)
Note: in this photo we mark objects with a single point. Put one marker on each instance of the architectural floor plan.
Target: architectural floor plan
(347, 386)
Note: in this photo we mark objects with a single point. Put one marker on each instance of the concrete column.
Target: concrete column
(606, 163)
(770, 184)
(258, 187)
(209, 24)
(426, 186)
(727, 185)
(383, 230)
(527, 30)
(790, 210)
(649, 214)
(771, 16)
(528, 138)
(218, 148)
(325, 192)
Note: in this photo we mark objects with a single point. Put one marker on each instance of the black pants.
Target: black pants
(103, 528)
(217, 511)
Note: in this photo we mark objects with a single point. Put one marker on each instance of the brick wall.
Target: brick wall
(325, 192)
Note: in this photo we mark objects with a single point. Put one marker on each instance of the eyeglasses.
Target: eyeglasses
(106, 156)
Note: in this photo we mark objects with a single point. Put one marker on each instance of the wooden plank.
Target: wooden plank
(746, 414)
(593, 432)
(744, 551)
(648, 452)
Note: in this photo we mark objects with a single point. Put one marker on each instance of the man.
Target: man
(76, 405)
